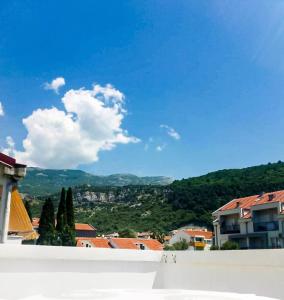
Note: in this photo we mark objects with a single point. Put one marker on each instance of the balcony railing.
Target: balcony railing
(227, 229)
(265, 226)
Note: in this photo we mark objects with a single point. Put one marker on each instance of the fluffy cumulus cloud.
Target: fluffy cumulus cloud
(55, 84)
(171, 131)
(90, 122)
(1, 110)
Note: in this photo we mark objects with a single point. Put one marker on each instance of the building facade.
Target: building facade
(197, 239)
(254, 222)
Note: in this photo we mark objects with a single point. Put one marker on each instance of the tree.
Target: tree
(46, 228)
(127, 233)
(70, 209)
(68, 232)
(182, 245)
(61, 216)
(28, 209)
(158, 235)
(230, 245)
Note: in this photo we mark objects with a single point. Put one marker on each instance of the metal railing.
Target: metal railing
(265, 226)
(226, 229)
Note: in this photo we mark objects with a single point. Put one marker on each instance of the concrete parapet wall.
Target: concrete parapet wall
(52, 271)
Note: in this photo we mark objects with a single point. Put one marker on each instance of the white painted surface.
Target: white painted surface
(245, 271)
(52, 272)
(149, 295)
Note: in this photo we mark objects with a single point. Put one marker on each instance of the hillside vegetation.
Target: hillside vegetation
(163, 208)
(43, 182)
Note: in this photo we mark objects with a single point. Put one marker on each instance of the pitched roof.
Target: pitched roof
(82, 226)
(193, 232)
(133, 243)
(19, 221)
(248, 202)
(95, 242)
(9, 161)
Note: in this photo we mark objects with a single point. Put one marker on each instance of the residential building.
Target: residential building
(85, 230)
(120, 243)
(93, 242)
(197, 239)
(254, 222)
(15, 224)
(82, 230)
(137, 244)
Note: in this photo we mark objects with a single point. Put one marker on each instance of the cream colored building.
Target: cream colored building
(254, 222)
(198, 239)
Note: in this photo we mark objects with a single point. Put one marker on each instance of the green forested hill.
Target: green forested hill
(40, 182)
(187, 201)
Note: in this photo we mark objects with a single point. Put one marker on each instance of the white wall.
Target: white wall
(51, 271)
(245, 271)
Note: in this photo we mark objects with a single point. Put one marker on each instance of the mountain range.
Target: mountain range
(43, 182)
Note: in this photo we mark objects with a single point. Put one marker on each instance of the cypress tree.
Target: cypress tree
(28, 209)
(46, 228)
(70, 209)
(61, 216)
(68, 238)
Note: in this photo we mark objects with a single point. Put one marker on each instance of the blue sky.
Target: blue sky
(212, 71)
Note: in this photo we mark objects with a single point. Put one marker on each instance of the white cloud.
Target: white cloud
(90, 122)
(55, 84)
(160, 148)
(1, 110)
(171, 131)
(10, 150)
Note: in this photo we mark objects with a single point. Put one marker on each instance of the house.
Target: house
(120, 243)
(197, 239)
(82, 230)
(254, 222)
(15, 224)
(85, 230)
(93, 242)
(136, 244)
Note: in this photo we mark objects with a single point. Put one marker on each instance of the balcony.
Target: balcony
(265, 226)
(227, 229)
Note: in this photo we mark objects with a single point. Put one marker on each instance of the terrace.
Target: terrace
(86, 273)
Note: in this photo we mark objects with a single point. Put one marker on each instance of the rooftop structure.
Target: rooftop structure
(11, 203)
(254, 222)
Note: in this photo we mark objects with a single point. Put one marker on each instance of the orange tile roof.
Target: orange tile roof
(19, 221)
(192, 232)
(78, 226)
(82, 226)
(35, 222)
(131, 243)
(248, 202)
(95, 242)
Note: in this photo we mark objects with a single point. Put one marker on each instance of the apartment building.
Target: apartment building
(254, 222)
(197, 239)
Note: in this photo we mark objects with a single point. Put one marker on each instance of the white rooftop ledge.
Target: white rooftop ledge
(42, 272)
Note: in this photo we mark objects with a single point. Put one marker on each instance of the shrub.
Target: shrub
(230, 245)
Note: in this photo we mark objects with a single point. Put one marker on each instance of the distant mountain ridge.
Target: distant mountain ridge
(41, 182)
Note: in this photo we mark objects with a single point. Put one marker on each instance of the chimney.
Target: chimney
(237, 204)
(270, 197)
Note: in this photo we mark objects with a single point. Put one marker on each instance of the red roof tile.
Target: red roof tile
(95, 242)
(82, 226)
(132, 243)
(192, 232)
(248, 202)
